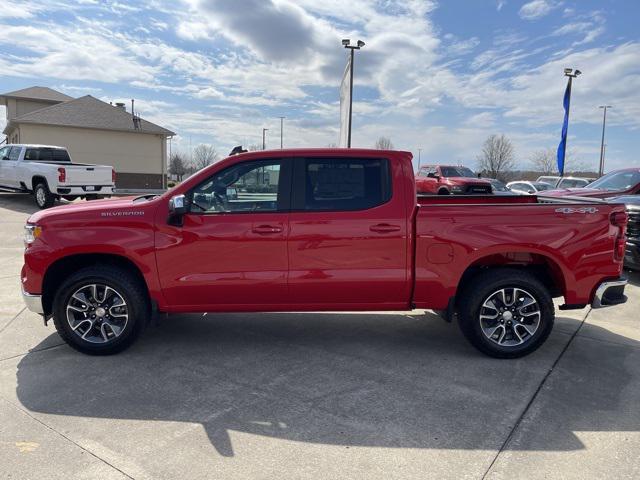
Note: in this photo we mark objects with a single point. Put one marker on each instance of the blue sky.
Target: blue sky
(440, 76)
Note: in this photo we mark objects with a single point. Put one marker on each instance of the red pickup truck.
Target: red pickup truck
(321, 230)
(450, 180)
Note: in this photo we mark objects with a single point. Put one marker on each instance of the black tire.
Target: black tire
(126, 285)
(480, 289)
(443, 191)
(43, 196)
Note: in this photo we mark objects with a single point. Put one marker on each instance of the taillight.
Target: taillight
(619, 219)
(621, 244)
(62, 175)
(113, 176)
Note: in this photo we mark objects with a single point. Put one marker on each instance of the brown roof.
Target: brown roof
(45, 94)
(88, 112)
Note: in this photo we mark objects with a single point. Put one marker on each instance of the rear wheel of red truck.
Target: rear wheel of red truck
(100, 310)
(506, 313)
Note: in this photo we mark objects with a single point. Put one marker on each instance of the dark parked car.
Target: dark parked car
(632, 253)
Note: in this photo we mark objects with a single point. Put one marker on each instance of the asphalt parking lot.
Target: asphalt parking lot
(368, 395)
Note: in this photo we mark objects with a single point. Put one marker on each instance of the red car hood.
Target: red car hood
(97, 206)
(581, 192)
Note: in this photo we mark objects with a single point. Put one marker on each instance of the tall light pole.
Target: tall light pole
(562, 148)
(264, 145)
(347, 44)
(281, 130)
(604, 123)
(419, 157)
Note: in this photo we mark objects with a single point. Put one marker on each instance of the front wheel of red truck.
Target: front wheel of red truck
(100, 310)
(506, 313)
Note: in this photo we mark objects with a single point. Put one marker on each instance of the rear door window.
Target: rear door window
(341, 184)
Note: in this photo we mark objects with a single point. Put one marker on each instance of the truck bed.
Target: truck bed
(571, 238)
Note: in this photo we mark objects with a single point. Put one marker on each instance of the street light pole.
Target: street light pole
(264, 145)
(347, 44)
(281, 130)
(419, 157)
(604, 123)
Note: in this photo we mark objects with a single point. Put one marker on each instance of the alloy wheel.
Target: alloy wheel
(97, 313)
(510, 317)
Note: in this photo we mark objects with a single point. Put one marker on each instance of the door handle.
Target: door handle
(384, 228)
(266, 229)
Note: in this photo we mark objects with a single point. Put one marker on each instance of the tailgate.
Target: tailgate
(81, 175)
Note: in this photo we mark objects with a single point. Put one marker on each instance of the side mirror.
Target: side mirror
(177, 209)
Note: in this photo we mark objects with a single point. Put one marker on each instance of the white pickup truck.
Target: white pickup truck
(48, 173)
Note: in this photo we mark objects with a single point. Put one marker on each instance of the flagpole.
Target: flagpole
(571, 73)
(566, 132)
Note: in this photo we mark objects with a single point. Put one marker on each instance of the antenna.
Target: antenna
(134, 117)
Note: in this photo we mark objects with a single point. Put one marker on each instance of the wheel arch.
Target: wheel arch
(543, 267)
(65, 266)
(36, 179)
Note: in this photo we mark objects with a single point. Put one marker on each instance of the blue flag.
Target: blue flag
(562, 148)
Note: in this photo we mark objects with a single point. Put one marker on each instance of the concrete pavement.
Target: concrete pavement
(368, 395)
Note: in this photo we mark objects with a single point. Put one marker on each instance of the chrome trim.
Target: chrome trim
(604, 286)
(33, 302)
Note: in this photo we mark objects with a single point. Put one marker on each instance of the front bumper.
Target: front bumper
(610, 292)
(33, 302)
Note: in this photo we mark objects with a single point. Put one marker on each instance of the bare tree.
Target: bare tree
(177, 165)
(384, 143)
(254, 147)
(497, 158)
(544, 161)
(204, 155)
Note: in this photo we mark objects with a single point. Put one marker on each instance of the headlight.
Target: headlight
(31, 232)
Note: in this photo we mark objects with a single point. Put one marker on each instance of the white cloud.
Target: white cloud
(537, 9)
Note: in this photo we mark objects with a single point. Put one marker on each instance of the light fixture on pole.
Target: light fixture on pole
(347, 44)
(264, 145)
(604, 123)
(562, 147)
(281, 130)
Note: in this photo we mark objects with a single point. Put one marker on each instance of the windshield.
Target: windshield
(456, 172)
(498, 185)
(617, 180)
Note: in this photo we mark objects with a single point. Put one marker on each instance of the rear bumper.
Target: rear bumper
(33, 302)
(609, 293)
(85, 190)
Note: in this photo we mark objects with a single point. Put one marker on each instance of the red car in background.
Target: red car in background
(450, 179)
(618, 182)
